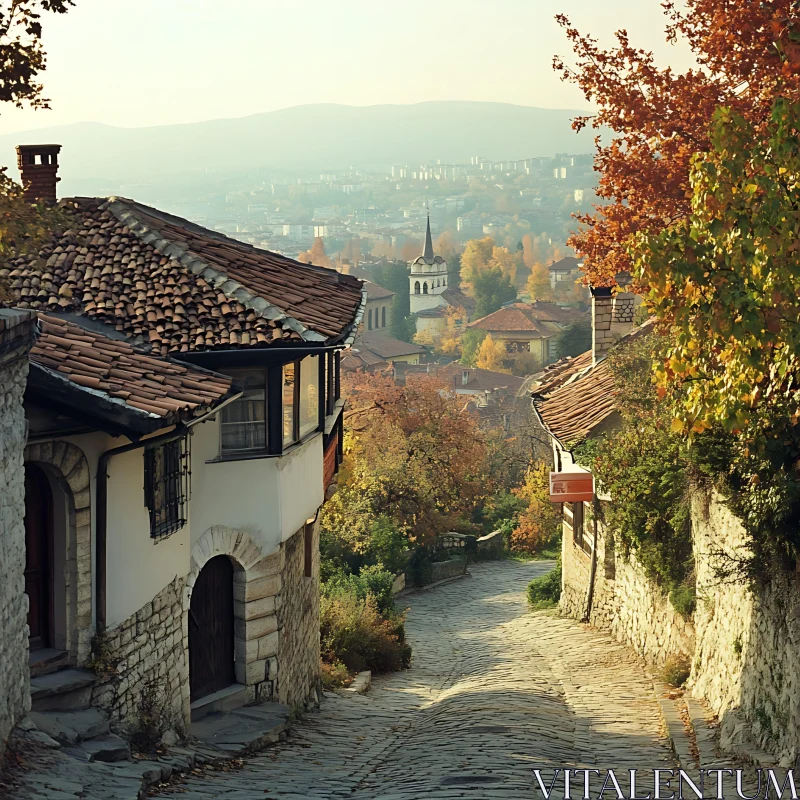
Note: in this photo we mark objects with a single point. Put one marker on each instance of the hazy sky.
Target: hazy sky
(150, 62)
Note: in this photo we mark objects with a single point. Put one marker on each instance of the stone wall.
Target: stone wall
(744, 642)
(14, 673)
(440, 570)
(298, 621)
(145, 652)
(276, 632)
(747, 661)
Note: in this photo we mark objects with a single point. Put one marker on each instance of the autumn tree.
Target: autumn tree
(504, 259)
(411, 456)
(471, 341)
(411, 250)
(540, 520)
(446, 247)
(727, 278)
(491, 355)
(475, 258)
(316, 255)
(539, 286)
(748, 54)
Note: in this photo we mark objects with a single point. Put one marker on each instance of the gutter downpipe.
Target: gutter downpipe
(101, 502)
(593, 569)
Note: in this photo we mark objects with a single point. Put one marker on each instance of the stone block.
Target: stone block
(252, 673)
(255, 608)
(257, 589)
(255, 628)
(268, 648)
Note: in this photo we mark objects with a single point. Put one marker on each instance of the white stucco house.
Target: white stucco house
(184, 423)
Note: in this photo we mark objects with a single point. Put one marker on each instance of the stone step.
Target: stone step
(228, 699)
(65, 690)
(47, 660)
(244, 730)
(71, 727)
(105, 748)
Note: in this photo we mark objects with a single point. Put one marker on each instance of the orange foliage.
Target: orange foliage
(539, 522)
(748, 54)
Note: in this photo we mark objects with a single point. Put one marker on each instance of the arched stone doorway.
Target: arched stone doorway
(57, 476)
(39, 557)
(212, 663)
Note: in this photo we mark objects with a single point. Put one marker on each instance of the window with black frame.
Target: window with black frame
(166, 486)
(243, 427)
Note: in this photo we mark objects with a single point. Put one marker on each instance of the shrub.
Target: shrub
(545, 592)
(334, 675)
(388, 545)
(153, 717)
(683, 599)
(353, 632)
(373, 581)
(676, 670)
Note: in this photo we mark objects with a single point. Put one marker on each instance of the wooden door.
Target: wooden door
(211, 641)
(38, 555)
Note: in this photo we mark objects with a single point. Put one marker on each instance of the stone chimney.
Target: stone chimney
(622, 313)
(38, 165)
(602, 338)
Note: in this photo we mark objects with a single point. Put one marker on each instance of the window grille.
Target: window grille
(167, 485)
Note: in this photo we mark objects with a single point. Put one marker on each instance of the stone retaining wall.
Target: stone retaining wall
(14, 672)
(744, 643)
(440, 570)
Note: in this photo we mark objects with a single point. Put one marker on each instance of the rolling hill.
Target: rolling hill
(306, 137)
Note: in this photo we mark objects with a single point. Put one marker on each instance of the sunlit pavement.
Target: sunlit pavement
(494, 691)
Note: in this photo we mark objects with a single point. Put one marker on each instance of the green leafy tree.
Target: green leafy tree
(491, 289)
(575, 339)
(471, 342)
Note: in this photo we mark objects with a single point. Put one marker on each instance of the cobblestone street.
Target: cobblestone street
(494, 691)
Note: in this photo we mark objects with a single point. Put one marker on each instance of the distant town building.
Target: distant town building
(566, 269)
(378, 313)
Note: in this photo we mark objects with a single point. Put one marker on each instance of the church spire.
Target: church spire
(428, 252)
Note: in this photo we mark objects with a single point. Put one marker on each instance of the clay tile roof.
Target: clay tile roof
(376, 292)
(573, 410)
(479, 379)
(518, 317)
(575, 397)
(163, 280)
(457, 298)
(116, 369)
(566, 264)
(386, 346)
(560, 372)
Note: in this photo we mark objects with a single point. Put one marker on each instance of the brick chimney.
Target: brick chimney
(602, 338)
(38, 165)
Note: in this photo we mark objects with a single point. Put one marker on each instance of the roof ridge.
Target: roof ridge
(231, 288)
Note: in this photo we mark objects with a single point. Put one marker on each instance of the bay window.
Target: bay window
(309, 395)
(301, 399)
(279, 406)
(243, 427)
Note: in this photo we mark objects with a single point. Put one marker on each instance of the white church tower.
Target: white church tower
(428, 277)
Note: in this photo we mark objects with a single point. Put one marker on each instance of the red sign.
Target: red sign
(571, 487)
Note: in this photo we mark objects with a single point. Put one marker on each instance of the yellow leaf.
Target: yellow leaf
(677, 425)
